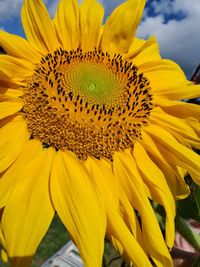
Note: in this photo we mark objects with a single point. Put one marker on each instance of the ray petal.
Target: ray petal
(13, 136)
(158, 187)
(130, 179)
(15, 67)
(79, 207)
(121, 26)
(9, 108)
(30, 208)
(67, 24)
(38, 27)
(17, 46)
(91, 16)
(176, 152)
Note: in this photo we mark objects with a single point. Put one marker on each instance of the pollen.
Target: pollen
(90, 103)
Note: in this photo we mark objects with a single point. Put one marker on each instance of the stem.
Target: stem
(183, 227)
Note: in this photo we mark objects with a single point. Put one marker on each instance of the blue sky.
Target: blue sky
(175, 23)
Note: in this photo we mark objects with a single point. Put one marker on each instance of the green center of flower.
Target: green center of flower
(89, 103)
(95, 82)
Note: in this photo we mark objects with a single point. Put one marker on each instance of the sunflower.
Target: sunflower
(92, 127)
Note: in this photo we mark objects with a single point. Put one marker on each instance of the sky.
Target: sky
(175, 23)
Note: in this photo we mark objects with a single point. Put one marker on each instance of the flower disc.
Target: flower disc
(98, 107)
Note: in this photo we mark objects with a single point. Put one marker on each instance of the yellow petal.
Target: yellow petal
(9, 108)
(165, 77)
(177, 153)
(179, 108)
(18, 47)
(79, 207)
(10, 95)
(38, 27)
(180, 92)
(121, 26)
(2, 239)
(15, 68)
(142, 51)
(125, 169)
(3, 253)
(107, 183)
(178, 127)
(3, 76)
(137, 45)
(175, 181)
(67, 24)
(13, 136)
(131, 247)
(131, 219)
(30, 208)
(6, 82)
(91, 16)
(10, 177)
(108, 187)
(159, 188)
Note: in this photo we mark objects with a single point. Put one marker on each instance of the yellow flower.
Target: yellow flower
(92, 127)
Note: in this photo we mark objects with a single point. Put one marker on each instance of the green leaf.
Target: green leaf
(197, 262)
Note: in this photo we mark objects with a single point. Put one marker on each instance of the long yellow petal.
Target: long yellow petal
(175, 181)
(38, 27)
(159, 188)
(179, 109)
(165, 76)
(15, 67)
(13, 136)
(125, 169)
(178, 127)
(10, 177)
(121, 26)
(6, 82)
(91, 16)
(17, 46)
(182, 91)
(10, 95)
(109, 186)
(67, 24)
(9, 108)
(2, 239)
(79, 207)
(131, 247)
(177, 153)
(30, 208)
(131, 219)
(3, 253)
(142, 51)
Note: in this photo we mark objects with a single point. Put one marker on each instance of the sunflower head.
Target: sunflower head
(89, 103)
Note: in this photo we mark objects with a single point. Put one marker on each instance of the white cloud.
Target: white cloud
(165, 6)
(179, 40)
(9, 9)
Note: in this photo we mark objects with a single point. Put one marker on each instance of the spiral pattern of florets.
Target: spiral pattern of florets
(87, 102)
